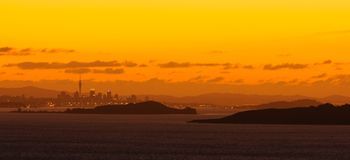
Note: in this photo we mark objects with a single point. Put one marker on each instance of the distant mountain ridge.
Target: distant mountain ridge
(229, 99)
(288, 104)
(29, 92)
(221, 99)
(225, 99)
(335, 99)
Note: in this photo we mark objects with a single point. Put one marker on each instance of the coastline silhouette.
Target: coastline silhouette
(325, 114)
(149, 107)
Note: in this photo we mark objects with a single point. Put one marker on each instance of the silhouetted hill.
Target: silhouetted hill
(335, 99)
(225, 99)
(29, 91)
(287, 104)
(149, 107)
(323, 114)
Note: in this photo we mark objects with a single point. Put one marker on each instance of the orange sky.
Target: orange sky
(222, 42)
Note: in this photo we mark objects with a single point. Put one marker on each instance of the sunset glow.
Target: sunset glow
(196, 46)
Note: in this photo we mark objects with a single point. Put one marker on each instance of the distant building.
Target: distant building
(76, 95)
(132, 99)
(99, 96)
(116, 98)
(64, 99)
(92, 93)
(80, 86)
(109, 95)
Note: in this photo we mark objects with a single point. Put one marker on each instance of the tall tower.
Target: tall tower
(80, 86)
(80, 93)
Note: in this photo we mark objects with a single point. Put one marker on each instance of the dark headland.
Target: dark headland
(149, 107)
(325, 114)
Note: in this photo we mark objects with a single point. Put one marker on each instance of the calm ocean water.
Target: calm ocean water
(99, 137)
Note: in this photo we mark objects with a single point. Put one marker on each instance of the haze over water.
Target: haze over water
(97, 137)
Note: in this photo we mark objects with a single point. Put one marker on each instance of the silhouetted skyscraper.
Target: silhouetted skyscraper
(109, 95)
(80, 85)
(92, 93)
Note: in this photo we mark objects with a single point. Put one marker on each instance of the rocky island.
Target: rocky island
(325, 114)
(150, 107)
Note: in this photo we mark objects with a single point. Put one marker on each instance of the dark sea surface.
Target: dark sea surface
(162, 137)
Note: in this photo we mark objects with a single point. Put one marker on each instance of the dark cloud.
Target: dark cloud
(248, 67)
(175, 65)
(325, 62)
(188, 64)
(293, 81)
(72, 64)
(197, 79)
(26, 50)
(230, 66)
(285, 66)
(15, 54)
(340, 79)
(78, 71)
(8, 51)
(5, 49)
(129, 64)
(97, 71)
(225, 72)
(323, 75)
(207, 64)
(57, 50)
(109, 71)
(339, 68)
(214, 80)
(236, 66)
(238, 81)
(225, 66)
